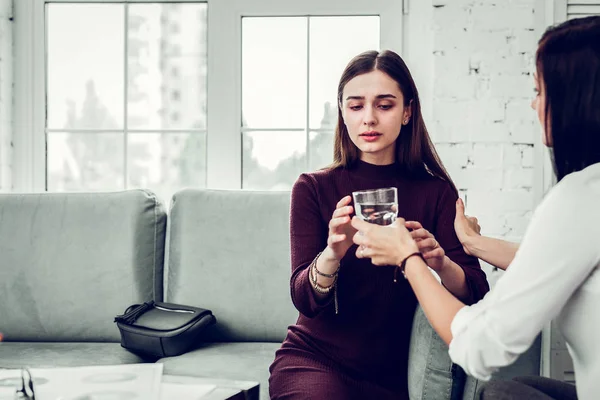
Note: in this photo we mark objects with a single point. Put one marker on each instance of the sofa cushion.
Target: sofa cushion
(236, 361)
(70, 262)
(229, 251)
(43, 355)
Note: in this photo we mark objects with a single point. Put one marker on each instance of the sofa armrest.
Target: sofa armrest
(431, 373)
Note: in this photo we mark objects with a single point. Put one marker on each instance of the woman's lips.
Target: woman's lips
(370, 136)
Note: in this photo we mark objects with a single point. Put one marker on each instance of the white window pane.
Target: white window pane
(166, 162)
(274, 64)
(272, 160)
(167, 66)
(329, 54)
(320, 150)
(85, 66)
(85, 161)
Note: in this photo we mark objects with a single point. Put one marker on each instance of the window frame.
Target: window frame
(224, 139)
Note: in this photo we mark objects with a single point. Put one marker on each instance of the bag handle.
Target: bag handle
(133, 312)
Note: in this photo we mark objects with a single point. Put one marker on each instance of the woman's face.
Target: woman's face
(539, 105)
(373, 111)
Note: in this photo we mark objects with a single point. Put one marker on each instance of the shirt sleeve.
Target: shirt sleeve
(308, 235)
(446, 236)
(558, 252)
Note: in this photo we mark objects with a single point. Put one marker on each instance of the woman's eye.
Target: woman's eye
(355, 108)
(385, 106)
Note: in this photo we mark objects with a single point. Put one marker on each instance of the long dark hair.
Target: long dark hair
(414, 149)
(568, 66)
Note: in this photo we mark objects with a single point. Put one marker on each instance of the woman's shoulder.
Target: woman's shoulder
(318, 177)
(578, 190)
(431, 183)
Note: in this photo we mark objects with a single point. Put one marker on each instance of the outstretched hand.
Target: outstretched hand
(466, 227)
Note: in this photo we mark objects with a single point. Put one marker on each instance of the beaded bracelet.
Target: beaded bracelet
(332, 275)
(313, 275)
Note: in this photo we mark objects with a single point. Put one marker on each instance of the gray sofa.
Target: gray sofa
(70, 262)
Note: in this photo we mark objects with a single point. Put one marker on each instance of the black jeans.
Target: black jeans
(528, 387)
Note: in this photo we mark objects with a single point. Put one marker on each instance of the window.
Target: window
(290, 69)
(165, 94)
(106, 65)
(271, 82)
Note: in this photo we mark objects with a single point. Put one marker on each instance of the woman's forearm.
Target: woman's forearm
(453, 278)
(496, 252)
(439, 305)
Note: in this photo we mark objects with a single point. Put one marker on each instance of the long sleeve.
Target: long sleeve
(446, 236)
(308, 235)
(559, 251)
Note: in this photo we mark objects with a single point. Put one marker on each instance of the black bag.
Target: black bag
(162, 329)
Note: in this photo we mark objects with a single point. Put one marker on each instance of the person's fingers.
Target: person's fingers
(460, 207)
(334, 223)
(360, 225)
(359, 239)
(339, 212)
(335, 238)
(474, 223)
(427, 244)
(435, 253)
(420, 234)
(413, 225)
(363, 252)
(344, 201)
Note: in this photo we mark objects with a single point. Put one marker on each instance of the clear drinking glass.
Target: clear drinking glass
(378, 206)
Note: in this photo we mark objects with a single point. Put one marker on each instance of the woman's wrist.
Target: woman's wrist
(326, 264)
(471, 244)
(329, 259)
(413, 265)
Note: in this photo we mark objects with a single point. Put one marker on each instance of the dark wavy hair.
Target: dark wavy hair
(568, 66)
(414, 149)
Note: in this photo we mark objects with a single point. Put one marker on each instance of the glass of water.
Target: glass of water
(377, 206)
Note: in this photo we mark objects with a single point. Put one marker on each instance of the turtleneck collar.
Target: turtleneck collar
(372, 171)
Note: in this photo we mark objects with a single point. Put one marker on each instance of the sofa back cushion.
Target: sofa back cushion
(70, 262)
(229, 251)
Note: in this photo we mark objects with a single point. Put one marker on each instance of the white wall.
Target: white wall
(483, 126)
(6, 93)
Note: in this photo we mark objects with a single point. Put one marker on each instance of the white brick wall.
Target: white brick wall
(6, 93)
(482, 125)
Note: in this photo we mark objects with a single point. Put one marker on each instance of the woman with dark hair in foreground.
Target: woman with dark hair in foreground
(555, 273)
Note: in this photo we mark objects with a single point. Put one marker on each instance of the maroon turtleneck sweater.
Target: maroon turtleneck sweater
(369, 338)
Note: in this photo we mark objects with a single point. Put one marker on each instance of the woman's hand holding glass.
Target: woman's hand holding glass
(384, 245)
(340, 230)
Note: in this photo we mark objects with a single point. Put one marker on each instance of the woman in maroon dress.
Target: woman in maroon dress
(352, 335)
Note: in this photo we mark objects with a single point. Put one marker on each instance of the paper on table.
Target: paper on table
(10, 379)
(118, 382)
(188, 391)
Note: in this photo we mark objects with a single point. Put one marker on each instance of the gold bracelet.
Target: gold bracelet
(312, 276)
